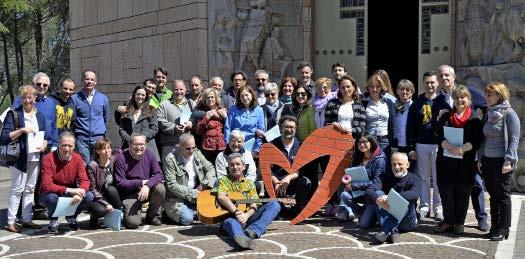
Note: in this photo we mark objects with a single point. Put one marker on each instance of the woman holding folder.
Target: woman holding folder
(210, 126)
(459, 135)
(18, 125)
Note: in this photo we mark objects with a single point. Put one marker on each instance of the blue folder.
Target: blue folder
(248, 144)
(113, 219)
(64, 207)
(398, 206)
(273, 133)
(358, 174)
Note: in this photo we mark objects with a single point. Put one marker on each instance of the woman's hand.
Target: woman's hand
(222, 113)
(27, 130)
(122, 109)
(43, 147)
(348, 186)
(109, 208)
(259, 133)
(507, 167)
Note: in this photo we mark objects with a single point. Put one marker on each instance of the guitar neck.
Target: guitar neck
(246, 201)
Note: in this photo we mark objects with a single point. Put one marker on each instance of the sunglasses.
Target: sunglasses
(302, 94)
(41, 84)
(190, 148)
(272, 94)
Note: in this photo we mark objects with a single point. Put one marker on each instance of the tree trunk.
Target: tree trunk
(6, 69)
(18, 53)
(39, 38)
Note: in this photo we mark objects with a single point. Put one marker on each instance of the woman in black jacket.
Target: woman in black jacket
(139, 117)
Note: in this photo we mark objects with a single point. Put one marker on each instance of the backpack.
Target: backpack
(10, 152)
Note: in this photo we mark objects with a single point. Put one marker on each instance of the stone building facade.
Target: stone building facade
(124, 39)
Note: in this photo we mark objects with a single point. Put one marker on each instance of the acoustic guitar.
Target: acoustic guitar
(211, 212)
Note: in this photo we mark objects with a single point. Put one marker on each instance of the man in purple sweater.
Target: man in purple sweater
(139, 179)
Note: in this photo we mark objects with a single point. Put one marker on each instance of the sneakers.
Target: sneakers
(144, 207)
(244, 242)
(439, 215)
(73, 224)
(344, 216)
(395, 237)
(250, 233)
(53, 227)
(153, 221)
(424, 212)
(381, 236)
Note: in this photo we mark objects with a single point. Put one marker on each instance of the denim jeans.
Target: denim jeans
(369, 216)
(85, 149)
(347, 204)
(390, 224)
(477, 196)
(258, 222)
(50, 200)
(186, 213)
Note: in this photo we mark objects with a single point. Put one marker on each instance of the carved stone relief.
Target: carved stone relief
(254, 34)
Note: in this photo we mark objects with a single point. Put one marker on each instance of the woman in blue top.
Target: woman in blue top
(369, 155)
(24, 171)
(247, 117)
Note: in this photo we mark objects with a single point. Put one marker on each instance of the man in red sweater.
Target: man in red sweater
(64, 174)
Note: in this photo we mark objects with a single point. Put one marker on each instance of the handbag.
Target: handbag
(10, 152)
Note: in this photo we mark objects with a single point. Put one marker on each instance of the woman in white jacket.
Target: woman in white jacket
(235, 145)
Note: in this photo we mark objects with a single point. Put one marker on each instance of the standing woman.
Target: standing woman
(455, 176)
(273, 106)
(405, 89)
(288, 86)
(499, 157)
(100, 173)
(247, 117)
(25, 170)
(379, 112)
(139, 117)
(301, 108)
(322, 96)
(386, 84)
(210, 126)
(345, 112)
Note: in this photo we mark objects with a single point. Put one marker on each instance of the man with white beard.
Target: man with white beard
(408, 185)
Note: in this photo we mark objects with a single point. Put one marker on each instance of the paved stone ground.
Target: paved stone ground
(316, 237)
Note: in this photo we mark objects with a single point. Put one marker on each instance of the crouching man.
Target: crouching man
(139, 179)
(249, 225)
(64, 175)
(408, 185)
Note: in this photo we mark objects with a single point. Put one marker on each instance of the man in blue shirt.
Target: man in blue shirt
(91, 117)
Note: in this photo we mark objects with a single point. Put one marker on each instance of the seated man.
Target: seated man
(408, 185)
(255, 220)
(138, 179)
(290, 184)
(187, 174)
(64, 174)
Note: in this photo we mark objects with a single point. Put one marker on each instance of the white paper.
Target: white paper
(185, 116)
(34, 141)
(398, 206)
(273, 133)
(454, 136)
(358, 174)
(64, 207)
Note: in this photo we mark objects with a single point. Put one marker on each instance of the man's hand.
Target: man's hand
(109, 208)
(179, 129)
(27, 130)
(382, 202)
(188, 125)
(441, 112)
(43, 147)
(259, 133)
(144, 193)
(283, 185)
(77, 191)
(201, 187)
(76, 199)
(412, 155)
(241, 217)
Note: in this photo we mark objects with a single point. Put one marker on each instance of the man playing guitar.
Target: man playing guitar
(250, 224)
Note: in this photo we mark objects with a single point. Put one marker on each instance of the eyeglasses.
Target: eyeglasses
(272, 94)
(302, 94)
(41, 84)
(362, 142)
(260, 79)
(190, 148)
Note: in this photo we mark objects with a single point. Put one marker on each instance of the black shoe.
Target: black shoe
(395, 237)
(53, 227)
(153, 221)
(40, 214)
(381, 236)
(500, 234)
(490, 233)
(73, 224)
(250, 233)
(483, 226)
(459, 229)
(444, 227)
(93, 222)
(244, 242)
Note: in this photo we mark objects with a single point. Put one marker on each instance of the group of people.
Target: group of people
(178, 142)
